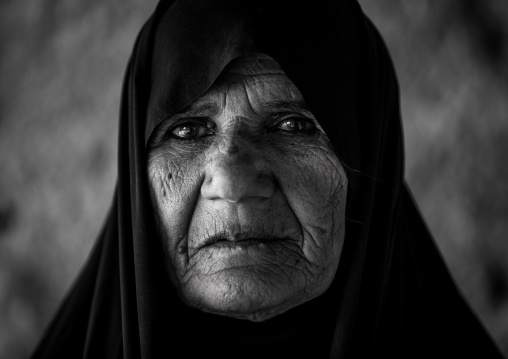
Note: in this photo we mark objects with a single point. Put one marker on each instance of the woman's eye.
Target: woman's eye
(295, 125)
(190, 130)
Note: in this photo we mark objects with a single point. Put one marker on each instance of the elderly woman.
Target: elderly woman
(260, 209)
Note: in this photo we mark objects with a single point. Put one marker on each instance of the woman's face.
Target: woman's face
(249, 196)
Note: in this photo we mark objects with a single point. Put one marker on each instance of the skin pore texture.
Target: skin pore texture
(248, 194)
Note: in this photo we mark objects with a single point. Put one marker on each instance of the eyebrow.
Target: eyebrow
(285, 105)
(199, 109)
(211, 108)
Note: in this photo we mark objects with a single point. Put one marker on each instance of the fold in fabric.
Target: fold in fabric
(392, 295)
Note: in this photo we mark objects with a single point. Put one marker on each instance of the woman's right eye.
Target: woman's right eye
(190, 130)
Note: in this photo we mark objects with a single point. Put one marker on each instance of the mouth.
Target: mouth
(226, 239)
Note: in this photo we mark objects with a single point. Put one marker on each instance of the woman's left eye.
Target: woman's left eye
(295, 125)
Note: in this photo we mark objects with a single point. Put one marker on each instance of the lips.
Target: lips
(245, 238)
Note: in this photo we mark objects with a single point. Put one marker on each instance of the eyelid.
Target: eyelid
(197, 119)
(175, 120)
(289, 113)
(283, 117)
(200, 120)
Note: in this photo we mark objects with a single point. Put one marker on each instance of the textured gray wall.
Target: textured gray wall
(451, 58)
(61, 67)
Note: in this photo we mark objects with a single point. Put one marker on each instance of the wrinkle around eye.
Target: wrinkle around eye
(162, 132)
(295, 124)
(204, 126)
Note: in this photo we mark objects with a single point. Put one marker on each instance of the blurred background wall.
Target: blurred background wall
(61, 68)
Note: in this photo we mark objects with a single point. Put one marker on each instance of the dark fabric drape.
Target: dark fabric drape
(392, 295)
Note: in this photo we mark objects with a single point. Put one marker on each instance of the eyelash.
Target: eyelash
(202, 123)
(308, 127)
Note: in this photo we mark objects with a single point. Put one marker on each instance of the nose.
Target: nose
(237, 173)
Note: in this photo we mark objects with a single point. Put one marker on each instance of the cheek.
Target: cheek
(174, 187)
(315, 185)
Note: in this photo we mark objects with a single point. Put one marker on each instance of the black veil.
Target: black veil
(392, 295)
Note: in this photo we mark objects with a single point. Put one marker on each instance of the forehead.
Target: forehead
(260, 77)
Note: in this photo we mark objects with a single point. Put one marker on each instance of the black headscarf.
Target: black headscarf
(392, 295)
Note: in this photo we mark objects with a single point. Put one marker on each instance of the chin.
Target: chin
(245, 294)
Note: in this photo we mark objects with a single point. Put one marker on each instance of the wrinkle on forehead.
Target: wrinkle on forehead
(254, 81)
(255, 64)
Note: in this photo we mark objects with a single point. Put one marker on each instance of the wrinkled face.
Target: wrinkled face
(248, 195)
